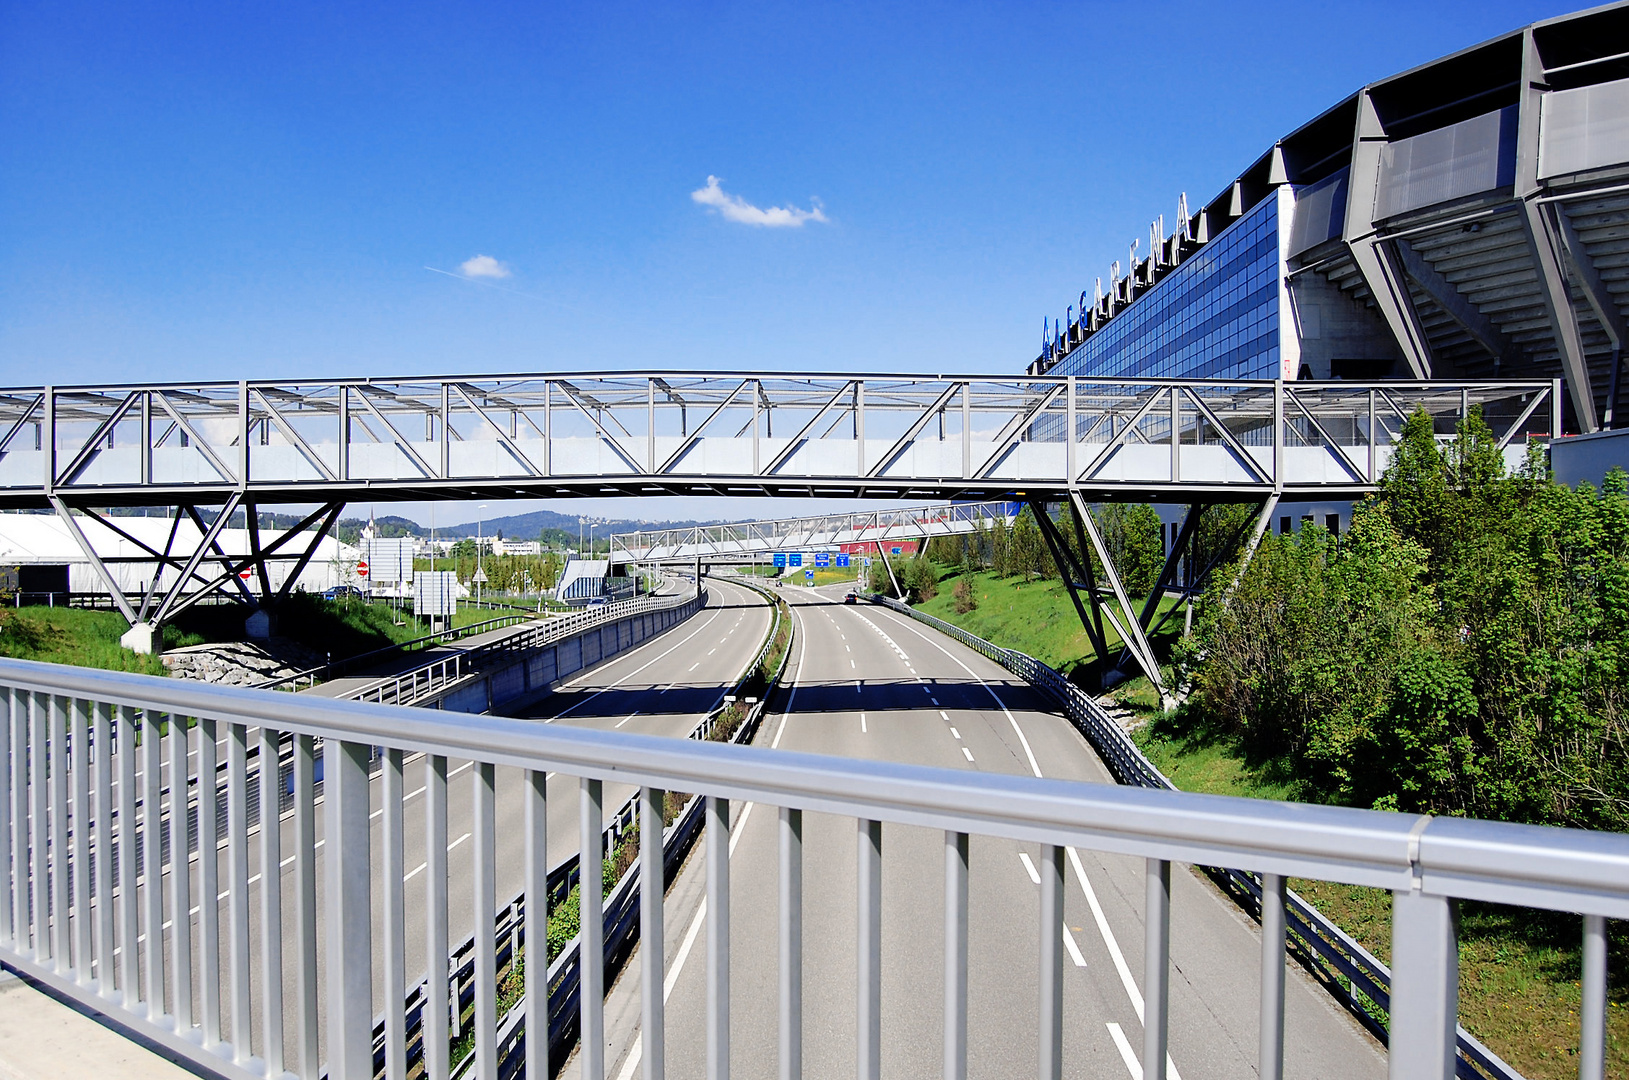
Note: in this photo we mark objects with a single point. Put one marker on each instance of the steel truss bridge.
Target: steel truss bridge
(747, 538)
(244, 445)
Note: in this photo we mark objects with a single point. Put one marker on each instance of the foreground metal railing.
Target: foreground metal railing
(86, 750)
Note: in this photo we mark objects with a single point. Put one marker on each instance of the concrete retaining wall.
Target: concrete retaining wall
(533, 673)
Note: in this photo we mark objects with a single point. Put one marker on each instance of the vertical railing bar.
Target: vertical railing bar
(152, 859)
(791, 944)
(79, 829)
(347, 914)
(1592, 1008)
(39, 757)
(653, 968)
(591, 939)
(305, 902)
(869, 968)
(11, 755)
(129, 852)
(1156, 968)
(100, 753)
(61, 956)
(486, 903)
(271, 900)
(237, 856)
(436, 1006)
(956, 866)
(1424, 986)
(180, 878)
(536, 970)
(209, 880)
(1270, 1059)
(1051, 1018)
(391, 837)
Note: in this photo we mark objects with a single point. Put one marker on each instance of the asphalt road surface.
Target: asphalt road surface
(867, 682)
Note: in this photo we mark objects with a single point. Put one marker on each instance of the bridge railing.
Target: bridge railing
(93, 909)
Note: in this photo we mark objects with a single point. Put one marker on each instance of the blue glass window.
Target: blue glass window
(1214, 317)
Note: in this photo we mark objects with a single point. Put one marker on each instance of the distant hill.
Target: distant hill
(530, 526)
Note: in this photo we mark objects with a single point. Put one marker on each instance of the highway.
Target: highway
(867, 682)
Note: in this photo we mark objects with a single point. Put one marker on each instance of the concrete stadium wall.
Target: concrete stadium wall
(534, 673)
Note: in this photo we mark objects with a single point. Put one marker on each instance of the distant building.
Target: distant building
(37, 553)
(500, 546)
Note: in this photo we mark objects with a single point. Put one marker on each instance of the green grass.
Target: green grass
(1034, 617)
(1519, 968)
(72, 636)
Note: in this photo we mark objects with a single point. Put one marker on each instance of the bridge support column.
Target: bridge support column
(143, 638)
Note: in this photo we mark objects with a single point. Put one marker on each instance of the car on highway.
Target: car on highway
(850, 598)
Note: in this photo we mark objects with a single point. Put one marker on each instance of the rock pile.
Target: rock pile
(239, 663)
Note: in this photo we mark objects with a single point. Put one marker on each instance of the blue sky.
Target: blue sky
(229, 191)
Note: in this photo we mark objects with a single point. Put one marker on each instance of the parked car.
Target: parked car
(342, 592)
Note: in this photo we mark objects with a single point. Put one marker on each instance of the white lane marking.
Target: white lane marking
(862, 724)
(792, 695)
(995, 697)
(693, 667)
(624, 678)
(967, 753)
(1127, 1054)
(1074, 950)
(1114, 952)
(892, 644)
(856, 686)
(956, 733)
(419, 869)
(1108, 935)
(1029, 866)
(933, 699)
(945, 717)
(625, 719)
(713, 650)
(847, 649)
(851, 663)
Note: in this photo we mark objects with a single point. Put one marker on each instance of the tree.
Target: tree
(1132, 537)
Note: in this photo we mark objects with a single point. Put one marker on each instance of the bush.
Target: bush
(963, 596)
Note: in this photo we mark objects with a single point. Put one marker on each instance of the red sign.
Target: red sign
(362, 569)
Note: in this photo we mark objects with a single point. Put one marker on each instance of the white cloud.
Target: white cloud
(735, 208)
(483, 266)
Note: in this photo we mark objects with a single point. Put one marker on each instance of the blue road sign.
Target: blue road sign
(867, 562)
(822, 559)
(842, 560)
(895, 551)
(809, 574)
(780, 559)
(796, 559)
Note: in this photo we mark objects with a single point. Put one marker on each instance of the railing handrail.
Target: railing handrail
(450, 634)
(1536, 866)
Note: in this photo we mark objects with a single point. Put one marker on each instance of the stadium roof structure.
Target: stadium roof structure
(1476, 205)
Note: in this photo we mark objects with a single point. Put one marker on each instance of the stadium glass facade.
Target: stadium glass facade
(1215, 317)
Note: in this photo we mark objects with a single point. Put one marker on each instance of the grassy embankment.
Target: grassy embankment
(1034, 617)
(1519, 969)
(91, 638)
(72, 636)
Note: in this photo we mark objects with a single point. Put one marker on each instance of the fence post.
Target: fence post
(350, 919)
(1424, 986)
